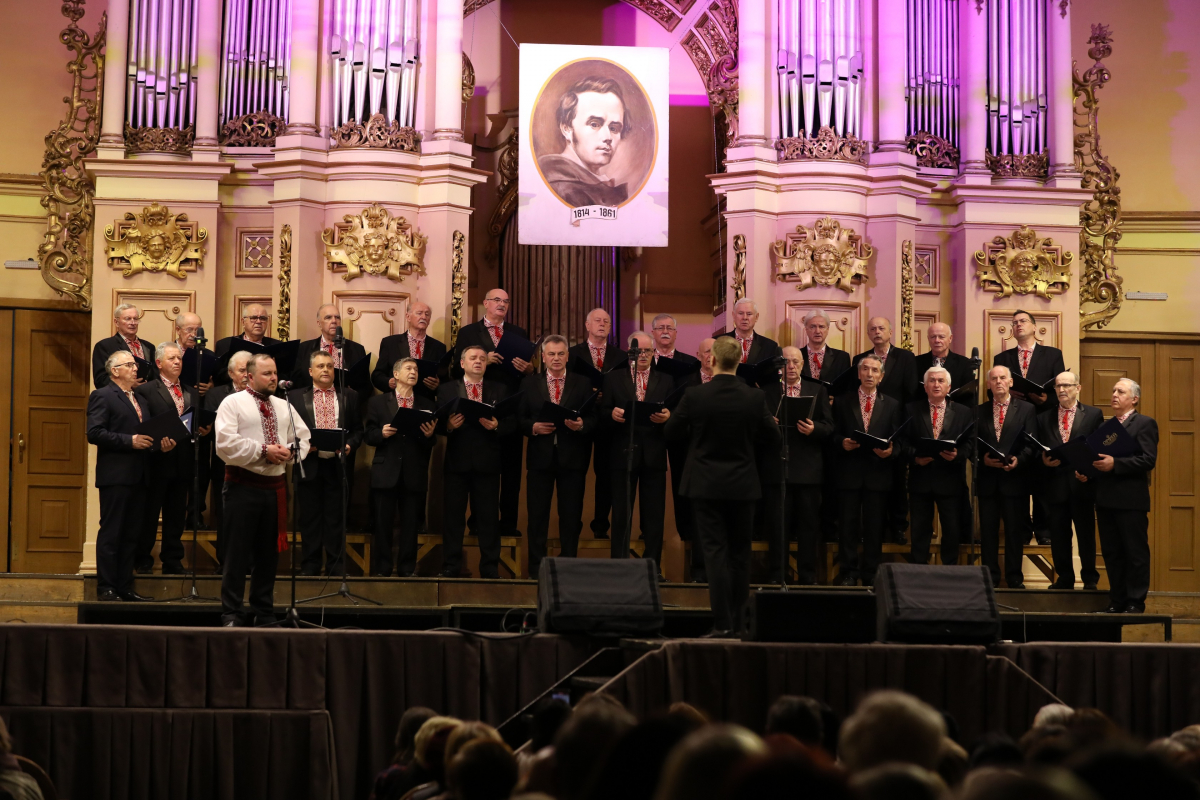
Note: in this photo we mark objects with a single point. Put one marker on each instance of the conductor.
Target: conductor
(723, 420)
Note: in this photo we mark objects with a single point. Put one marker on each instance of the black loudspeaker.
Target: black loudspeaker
(608, 597)
(807, 615)
(918, 603)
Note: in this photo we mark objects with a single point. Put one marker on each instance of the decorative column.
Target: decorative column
(208, 75)
(1062, 96)
(306, 50)
(116, 58)
(447, 108)
(753, 84)
(972, 106)
(892, 74)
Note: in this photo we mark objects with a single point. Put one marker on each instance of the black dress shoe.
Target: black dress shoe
(1061, 586)
(846, 580)
(144, 569)
(406, 575)
(1113, 608)
(490, 576)
(1042, 540)
(134, 597)
(1134, 608)
(600, 534)
(173, 569)
(1089, 587)
(107, 595)
(310, 572)
(446, 574)
(233, 623)
(1017, 586)
(716, 634)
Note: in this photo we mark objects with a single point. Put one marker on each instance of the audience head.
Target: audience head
(701, 766)
(996, 750)
(791, 770)
(426, 753)
(891, 726)
(992, 783)
(899, 782)
(583, 743)
(1120, 774)
(693, 718)
(466, 733)
(545, 720)
(1053, 714)
(484, 769)
(953, 763)
(634, 766)
(796, 716)
(410, 722)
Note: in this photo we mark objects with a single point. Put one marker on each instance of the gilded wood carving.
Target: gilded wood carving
(826, 255)
(1023, 264)
(155, 241)
(376, 243)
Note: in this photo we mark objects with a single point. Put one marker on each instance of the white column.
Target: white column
(753, 85)
(208, 73)
(447, 105)
(972, 107)
(892, 71)
(306, 56)
(1062, 96)
(116, 58)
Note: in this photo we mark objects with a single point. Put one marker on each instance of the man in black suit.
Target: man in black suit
(755, 346)
(472, 466)
(1068, 498)
(127, 318)
(329, 319)
(677, 457)
(1003, 485)
(864, 476)
(1123, 504)
(399, 470)
(602, 356)
(724, 420)
(557, 455)
(648, 477)
(940, 337)
(254, 329)
(113, 415)
(413, 343)
(239, 377)
(187, 329)
(487, 334)
(806, 440)
(937, 478)
(171, 473)
(900, 382)
(1038, 363)
(323, 406)
(822, 362)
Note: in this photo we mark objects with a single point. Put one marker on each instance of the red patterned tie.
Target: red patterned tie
(136, 407)
(473, 391)
(418, 348)
(1024, 363)
(818, 358)
(135, 347)
(556, 386)
(934, 409)
(177, 393)
(867, 407)
(1066, 427)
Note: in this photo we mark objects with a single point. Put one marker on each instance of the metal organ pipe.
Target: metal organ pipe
(256, 56)
(1017, 77)
(819, 65)
(373, 58)
(161, 71)
(932, 63)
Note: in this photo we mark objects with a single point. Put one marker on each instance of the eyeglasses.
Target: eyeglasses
(664, 327)
(256, 319)
(500, 300)
(1064, 385)
(126, 364)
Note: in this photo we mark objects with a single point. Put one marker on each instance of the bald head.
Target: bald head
(940, 337)
(598, 324)
(793, 365)
(704, 353)
(186, 326)
(254, 321)
(879, 329)
(495, 305)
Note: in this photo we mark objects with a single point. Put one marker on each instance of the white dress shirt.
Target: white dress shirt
(239, 432)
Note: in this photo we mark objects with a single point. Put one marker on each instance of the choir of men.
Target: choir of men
(827, 473)
(187, 328)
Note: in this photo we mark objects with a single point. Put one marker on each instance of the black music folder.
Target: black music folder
(143, 368)
(199, 417)
(167, 424)
(208, 366)
(967, 393)
(645, 410)
(513, 346)
(797, 409)
(764, 373)
(284, 354)
(675, 368)
(1026, 386)
(475, 410)
(932, 447)
(844, 382)
(989, 449)
(327, 440)
(559, 414)
(409, 420)
(428, 368)
(584, 366)
(1111, 439)
(874, 442)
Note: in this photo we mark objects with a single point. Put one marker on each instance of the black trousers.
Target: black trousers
(411, 507)
(168, 496)
(122, 510)
(1123, 538)
(603, 473)
(863, 516)
(207, 454)
(1080, 509)
(1014, 511)
(482, 491)
(320, 508)
(251, 524)
(539, 493)
(650, 489)
(897, 511)
(512, 449)
(802, 525)
(725, 529)
(685, 523)
(217, 517)
(949, 510)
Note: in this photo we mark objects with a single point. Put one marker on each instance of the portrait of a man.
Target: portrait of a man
(591, 117)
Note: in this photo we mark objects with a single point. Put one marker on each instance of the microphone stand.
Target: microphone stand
(339, 342)
(193, 596)
(784, 456)
(975, 532)
(628, 535)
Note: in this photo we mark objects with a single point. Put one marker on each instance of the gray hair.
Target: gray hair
(816, 312)
(633, 336)
(745, 300)
(554, 338)
(871, 357)
(180, 317)
(257, 359)
(1000, 366)
(121, 309)
(400, 362)
(1133, 387)
(654, 322)
(239, 359)
(315, 354)
(109, 362)
(163, 347)
(935, 371)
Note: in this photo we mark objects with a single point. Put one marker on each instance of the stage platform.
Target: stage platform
(414, 604)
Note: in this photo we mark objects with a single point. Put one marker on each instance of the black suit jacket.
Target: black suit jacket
(572, 448)
(1020, 417)
(180, 462)
(900, 379)
(938, 477)
(352, 353)
(961, 374)
(761, 348)
(862, 468)
(806, 454)
(1127, 487)
(613, 356)
(476, 334)
(224, 345)
(348, 418)
(473, 448)
(649, 443)
(111, 422)
(106, 347)
(724, 421)
(394, 348)
(836, 362)
(400, 460)
(1045, 363)
(1059, 484)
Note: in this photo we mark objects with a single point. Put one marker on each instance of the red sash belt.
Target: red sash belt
(276, 483)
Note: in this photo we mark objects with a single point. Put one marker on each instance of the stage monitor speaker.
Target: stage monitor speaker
(606, 597)
(918, 603)
(829, 616)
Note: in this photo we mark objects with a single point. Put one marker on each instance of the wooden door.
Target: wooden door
(50, 386)
(6, 341)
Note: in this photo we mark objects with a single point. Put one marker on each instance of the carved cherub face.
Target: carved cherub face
(825, 260)
(156, 247)
(375, 249)
(1024, 268)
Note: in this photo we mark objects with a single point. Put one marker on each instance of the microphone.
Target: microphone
(975, 359)
(338, 339)
(201, 339)
(285, 385)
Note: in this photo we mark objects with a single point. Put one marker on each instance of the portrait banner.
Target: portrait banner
(593, 145)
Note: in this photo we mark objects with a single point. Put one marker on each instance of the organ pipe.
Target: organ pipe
(373, 56)
(1017, 62)
(161, 71)
(819, 66)
(255, 57)
(931, 85)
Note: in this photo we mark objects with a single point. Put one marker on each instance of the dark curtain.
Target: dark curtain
(553, 287)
